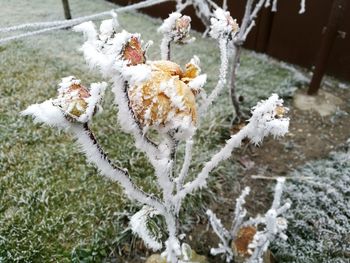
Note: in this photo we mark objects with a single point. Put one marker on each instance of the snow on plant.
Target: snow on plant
(152, 95)
(176, 28)
(248, 240)
(74, 104)
(207, 10)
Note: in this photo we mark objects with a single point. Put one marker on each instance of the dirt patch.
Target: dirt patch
(324, 103)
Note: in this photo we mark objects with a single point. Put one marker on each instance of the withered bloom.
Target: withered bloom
(133, 52)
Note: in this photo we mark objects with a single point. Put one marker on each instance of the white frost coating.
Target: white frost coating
(127, 121)
(48, 114)
(224, 236)
(302, 7)
(97, 91)
(104, 50)
(278, 192)
(198, 82)
(136, 75)
(185, 166)
(239, 213)
(66, 82)
(274, 6)
(274, 226)
(95, 155)
(169, 24)
(138, 223)
(265, 120)
(222, 77)
(89, 30)
(223, 25)
(173, 250)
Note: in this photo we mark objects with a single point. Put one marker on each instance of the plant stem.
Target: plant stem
(234, 97)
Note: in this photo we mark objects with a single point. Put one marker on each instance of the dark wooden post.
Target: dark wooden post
(328, 39)
(66, 9)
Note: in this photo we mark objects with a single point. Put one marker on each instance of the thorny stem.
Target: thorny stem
(237, 49)
(169, 51)
(222, 77)
(185, 166)
(90, 145)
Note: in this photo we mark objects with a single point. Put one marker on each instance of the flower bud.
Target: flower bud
(133, 52)
(77, 102)
(182, 28)
(244, 237)
(223, 25)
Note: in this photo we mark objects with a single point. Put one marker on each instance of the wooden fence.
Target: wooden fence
(286, 34)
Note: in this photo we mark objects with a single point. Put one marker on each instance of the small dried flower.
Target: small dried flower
(280, 111)
(133, 52)
(76, 101)
(182, 28)
(223, 25)
(241, 244)
(177, 27)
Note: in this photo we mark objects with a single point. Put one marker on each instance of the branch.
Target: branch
(267, 118)
(187, 162)
(223, 154)
(240, 213)
(98, 157)
(222, 77)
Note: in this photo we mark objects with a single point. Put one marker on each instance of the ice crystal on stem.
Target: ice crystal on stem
(248, 240)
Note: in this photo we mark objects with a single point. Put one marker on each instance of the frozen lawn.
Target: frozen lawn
(319, 220)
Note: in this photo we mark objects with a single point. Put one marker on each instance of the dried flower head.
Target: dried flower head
(177, 27)
(244, 237)
(165, 100)
(182, 28)
(77, 102)
(223, 25)
(133, 52)
(280, 111)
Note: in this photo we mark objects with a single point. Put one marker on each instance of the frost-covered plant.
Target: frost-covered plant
(248, 240)
(206, 10)
(158, 96)
(176, 28)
